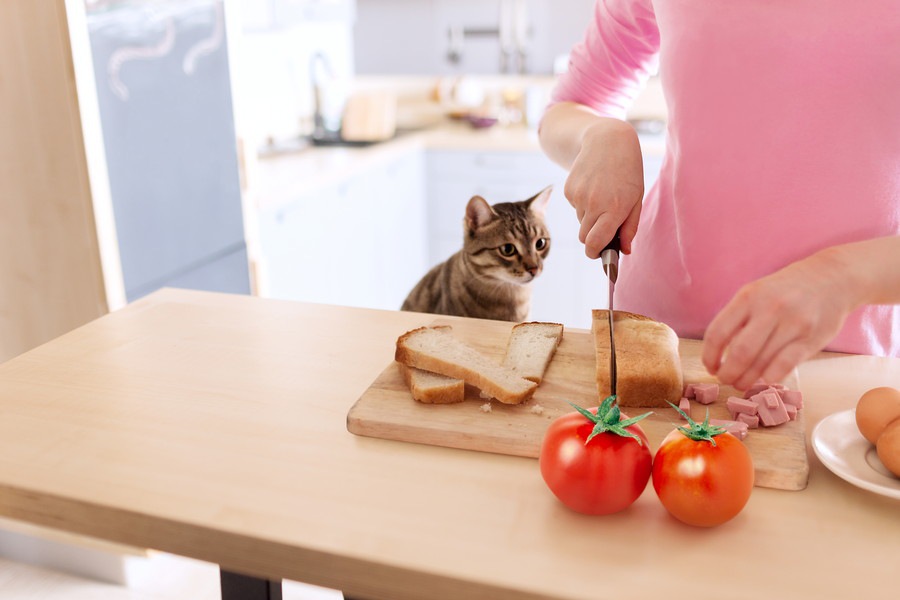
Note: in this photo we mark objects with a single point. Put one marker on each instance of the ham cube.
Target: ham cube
(706, 393)
(739, 405)
(752, 421)
(761, 386)
(688, 391)
(792, 397)
(736, 428)
(791, 411)
(770, 408)
(685, 405)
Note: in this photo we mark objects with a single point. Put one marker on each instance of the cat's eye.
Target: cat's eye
(508, 249)
(540, 244)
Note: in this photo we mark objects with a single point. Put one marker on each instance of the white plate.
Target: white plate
(839, 445)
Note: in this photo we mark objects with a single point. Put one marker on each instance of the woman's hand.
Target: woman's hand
(606, 172)
(774, 323)
(606, 185)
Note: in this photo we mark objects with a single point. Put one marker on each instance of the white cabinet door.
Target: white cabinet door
(358, 243)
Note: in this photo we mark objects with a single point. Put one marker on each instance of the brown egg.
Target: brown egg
(888, 447)
(875, 410)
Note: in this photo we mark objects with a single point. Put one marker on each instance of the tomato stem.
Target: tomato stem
(609, 420)
(699, 432)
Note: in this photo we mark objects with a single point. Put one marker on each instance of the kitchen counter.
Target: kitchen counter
(281, 175)
(213, 426)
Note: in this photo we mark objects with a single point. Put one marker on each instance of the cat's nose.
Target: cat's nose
(533, 269)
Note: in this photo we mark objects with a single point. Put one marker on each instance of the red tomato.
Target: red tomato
(703, 482)
(600, 475)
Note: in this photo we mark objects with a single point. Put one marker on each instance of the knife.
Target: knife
(609, 256)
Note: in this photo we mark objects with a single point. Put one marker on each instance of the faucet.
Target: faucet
(322, 127)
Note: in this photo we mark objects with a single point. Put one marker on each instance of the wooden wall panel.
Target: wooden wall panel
(51, 279)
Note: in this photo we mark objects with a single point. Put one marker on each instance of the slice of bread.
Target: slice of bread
(431, 388)
(531, 347)
(648, 367)
(435, 349)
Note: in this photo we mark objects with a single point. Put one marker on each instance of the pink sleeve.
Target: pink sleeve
(612, 64)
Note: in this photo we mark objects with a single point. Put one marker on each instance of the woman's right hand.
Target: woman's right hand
(606, 185)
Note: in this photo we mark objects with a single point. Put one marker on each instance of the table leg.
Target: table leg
(243, 587)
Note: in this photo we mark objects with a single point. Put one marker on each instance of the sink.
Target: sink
(335, 139)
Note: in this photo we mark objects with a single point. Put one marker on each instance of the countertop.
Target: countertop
(298, 168)
(213, 426)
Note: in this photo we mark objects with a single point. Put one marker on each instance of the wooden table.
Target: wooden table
(213, 426)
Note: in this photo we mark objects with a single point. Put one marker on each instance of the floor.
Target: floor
(162, 577)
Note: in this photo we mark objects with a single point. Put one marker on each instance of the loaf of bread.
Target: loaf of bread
(531, 347)
(648, 368)
(435, 349)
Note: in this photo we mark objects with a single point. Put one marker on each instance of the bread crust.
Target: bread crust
(648, 366)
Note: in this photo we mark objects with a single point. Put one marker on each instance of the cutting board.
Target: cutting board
(387, 410)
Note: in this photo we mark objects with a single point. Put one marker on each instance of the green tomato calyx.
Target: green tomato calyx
(609, 420)
(699, 432)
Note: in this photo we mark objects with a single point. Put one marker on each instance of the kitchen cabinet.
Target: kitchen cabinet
(359, 242)
(366, 238)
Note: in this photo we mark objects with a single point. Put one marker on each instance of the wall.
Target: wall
(411, 36)
(272, 60)
(51, 278)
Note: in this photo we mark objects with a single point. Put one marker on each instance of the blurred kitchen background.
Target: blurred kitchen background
(313, 150)
(310, 150)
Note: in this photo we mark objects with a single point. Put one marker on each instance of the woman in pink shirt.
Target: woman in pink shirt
(773, 230)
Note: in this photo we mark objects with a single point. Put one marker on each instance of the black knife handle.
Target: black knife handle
(613, 244)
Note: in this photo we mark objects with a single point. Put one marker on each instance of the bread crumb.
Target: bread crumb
(484, 394)
(486, 407)
(537, 409)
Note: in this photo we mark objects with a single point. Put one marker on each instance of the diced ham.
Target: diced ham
(739, 405)
(688, 391)
(685, 405)
(736, 428)
(756, 388)
(792, 397)
(771, 409)
(791, 411)
(752, 421)
(706, 393)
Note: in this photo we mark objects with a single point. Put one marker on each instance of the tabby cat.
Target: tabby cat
(504, 248)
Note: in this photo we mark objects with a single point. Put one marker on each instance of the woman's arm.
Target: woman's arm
(774, 323)
(606, 175)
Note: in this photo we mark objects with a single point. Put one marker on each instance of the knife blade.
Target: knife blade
(609, 256)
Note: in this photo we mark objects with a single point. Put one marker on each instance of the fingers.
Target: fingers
(599, 234)
(768, 328)
(723, 328)
(742, 352)
(629, 228)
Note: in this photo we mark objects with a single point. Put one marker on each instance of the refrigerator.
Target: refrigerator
(164, 93)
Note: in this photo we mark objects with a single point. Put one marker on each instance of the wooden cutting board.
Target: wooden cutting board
(387, 410)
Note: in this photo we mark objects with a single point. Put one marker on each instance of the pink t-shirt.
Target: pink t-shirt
(783, 138)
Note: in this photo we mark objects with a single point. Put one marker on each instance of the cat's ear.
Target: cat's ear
(538, 203)
(478, 213)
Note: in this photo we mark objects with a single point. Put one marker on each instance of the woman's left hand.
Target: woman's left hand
(774, 323)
